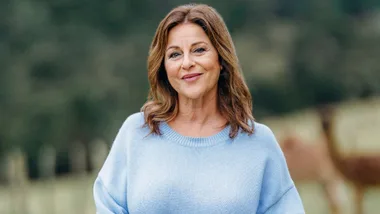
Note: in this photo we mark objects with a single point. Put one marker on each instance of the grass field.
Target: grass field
(358, 132)
(315, 202)
(63, 195)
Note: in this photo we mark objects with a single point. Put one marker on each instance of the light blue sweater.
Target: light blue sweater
(177, 174)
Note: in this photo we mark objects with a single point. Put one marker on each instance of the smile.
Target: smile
(191, 77)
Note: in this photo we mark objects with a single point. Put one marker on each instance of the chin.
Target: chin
(193, 96)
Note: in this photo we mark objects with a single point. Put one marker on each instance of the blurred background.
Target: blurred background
(71, 71)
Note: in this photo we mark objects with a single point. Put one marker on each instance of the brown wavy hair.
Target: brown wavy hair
(234, 98)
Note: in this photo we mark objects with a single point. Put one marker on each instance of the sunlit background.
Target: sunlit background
(71, 71)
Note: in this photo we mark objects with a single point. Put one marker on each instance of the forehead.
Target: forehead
(187, 32)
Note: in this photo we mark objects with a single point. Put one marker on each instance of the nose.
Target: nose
(187, 62)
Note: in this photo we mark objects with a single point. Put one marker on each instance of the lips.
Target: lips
(188, 76)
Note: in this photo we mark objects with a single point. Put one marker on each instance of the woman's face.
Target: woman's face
(191, 62)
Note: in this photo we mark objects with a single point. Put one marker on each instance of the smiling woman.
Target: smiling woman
(195, 147)
(194, 40)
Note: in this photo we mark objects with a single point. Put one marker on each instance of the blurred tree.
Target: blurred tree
(74, 70)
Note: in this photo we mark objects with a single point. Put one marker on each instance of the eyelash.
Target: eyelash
(198, 50)
(172, 55)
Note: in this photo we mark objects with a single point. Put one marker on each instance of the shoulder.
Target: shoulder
(262, 132)
(266, 143)
(264, 137)
(133, 124)
(135, 119)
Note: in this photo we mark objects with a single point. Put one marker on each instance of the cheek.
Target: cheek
(171, 69)
(172, 73)
(211, 63)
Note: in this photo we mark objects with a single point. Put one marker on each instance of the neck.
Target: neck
(198, 117)
(332, 146)
(200, 111)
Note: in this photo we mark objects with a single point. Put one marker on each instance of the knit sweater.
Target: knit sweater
(171, 173)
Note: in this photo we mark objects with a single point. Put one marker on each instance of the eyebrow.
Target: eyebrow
(195, 43)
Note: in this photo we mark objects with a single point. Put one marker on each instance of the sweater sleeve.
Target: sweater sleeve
(110, 187)
(278, 192)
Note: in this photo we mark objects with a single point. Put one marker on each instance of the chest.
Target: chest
(218, 180)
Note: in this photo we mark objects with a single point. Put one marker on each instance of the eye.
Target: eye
(174, 54)
(200, 50)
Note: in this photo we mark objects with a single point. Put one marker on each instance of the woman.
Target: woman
(195, 147)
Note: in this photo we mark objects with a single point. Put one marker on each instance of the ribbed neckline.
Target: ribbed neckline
(172, 135)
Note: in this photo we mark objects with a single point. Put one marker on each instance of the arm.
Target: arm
(105, 202)
(110, 187)
(278, 192)
(288, 203)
